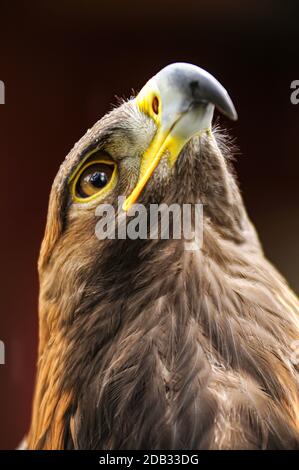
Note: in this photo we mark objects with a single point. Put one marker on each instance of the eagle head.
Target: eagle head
(144, 343)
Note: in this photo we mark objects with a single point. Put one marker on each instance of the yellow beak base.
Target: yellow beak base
(163, 143)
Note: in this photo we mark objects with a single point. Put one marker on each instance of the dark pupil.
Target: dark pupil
(98, 179)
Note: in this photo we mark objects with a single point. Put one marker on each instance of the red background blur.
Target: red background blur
(62, 64)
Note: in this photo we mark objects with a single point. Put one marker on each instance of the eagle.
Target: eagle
(143, 342)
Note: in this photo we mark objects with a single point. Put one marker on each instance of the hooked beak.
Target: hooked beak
(181, 100)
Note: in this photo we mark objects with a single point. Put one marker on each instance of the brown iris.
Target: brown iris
(94, 178)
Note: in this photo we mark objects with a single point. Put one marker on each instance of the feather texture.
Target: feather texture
(146, 345)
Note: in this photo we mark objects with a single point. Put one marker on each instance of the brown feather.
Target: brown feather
(146, 345)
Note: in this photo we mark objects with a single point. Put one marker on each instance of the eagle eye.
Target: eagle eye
(92, 178)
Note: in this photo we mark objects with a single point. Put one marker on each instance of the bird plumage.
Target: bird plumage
(144, 344)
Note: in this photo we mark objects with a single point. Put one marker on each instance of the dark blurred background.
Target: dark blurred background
(63, 63)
